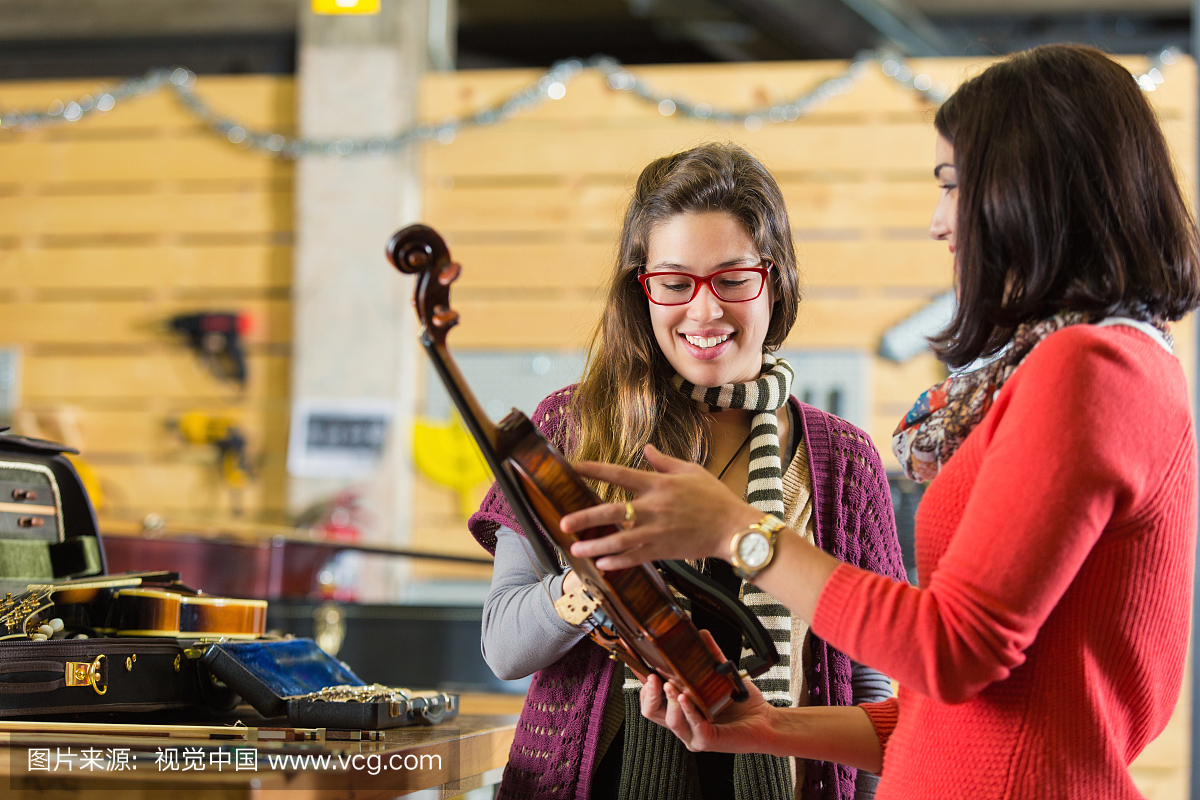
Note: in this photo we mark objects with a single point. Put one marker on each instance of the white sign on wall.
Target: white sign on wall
(338, 437)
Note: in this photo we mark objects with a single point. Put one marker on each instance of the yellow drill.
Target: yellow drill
(198, 427)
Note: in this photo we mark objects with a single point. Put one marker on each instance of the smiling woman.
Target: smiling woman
(704, 290)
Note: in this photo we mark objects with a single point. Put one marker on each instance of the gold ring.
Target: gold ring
(630, 517)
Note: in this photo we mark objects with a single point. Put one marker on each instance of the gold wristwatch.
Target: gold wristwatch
(751, 549)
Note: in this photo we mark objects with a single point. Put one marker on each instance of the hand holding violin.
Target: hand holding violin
(680, 511)
(825, 733)
(745, 727)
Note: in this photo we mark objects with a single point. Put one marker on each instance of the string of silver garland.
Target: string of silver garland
(550, 86)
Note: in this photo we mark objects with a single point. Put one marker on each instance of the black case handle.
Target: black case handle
(435, 709)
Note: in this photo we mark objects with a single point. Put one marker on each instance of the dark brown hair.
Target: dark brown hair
(625, 399)
(1067, 200)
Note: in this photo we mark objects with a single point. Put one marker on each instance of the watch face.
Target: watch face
(753, 549)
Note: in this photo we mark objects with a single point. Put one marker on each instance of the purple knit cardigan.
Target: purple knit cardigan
(553, 754)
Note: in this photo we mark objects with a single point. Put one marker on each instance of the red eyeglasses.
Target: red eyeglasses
(735, 285)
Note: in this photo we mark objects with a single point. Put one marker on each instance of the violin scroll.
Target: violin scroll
(419, 250)
(416, 249)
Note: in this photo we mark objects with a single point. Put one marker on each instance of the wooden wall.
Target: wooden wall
(109, 227)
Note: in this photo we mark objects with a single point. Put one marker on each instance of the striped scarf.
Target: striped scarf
(655, 763)
(764, 491)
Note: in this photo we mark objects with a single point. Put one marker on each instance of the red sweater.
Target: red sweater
(1045, 646)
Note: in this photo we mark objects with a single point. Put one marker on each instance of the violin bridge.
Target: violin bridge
(574, 608)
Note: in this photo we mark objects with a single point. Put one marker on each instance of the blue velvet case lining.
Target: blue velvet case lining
(291, 667)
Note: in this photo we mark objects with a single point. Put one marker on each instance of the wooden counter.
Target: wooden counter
(439, 761)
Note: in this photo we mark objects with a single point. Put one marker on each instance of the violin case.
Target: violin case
(87, 676)
(48, 534)
(297, 679)
(48, 530)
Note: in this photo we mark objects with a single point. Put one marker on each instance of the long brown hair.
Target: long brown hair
(625, 399)
(1066, 200)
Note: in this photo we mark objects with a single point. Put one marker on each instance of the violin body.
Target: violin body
(639, 600)
(635, 614)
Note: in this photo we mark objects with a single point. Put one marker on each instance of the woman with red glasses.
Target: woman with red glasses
(1045, 645)
(704, 290)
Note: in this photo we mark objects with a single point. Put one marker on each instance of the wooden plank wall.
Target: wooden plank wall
(109, 227)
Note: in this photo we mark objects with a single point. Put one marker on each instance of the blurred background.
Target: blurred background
(193, 291)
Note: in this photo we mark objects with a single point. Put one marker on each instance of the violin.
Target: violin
(634, 615)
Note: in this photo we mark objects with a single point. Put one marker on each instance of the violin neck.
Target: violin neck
(419, 250)
(493, 443)
(477, 422)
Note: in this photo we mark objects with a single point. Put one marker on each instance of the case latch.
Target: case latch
(83, 673)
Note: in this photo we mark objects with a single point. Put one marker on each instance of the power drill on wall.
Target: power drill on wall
(198, 427)
(217, 336)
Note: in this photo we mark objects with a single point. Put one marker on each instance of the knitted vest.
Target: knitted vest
(554, 752)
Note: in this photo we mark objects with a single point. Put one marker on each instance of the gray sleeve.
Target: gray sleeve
(521, 631)
(868, 686)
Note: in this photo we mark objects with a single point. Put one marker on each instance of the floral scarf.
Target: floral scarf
(945, 414)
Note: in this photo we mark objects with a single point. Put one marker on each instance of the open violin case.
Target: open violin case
(48, 528)
(52, 567)
(297, 679)
(48, 536)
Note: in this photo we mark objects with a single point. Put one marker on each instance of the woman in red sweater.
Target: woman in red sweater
(1044, 646)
